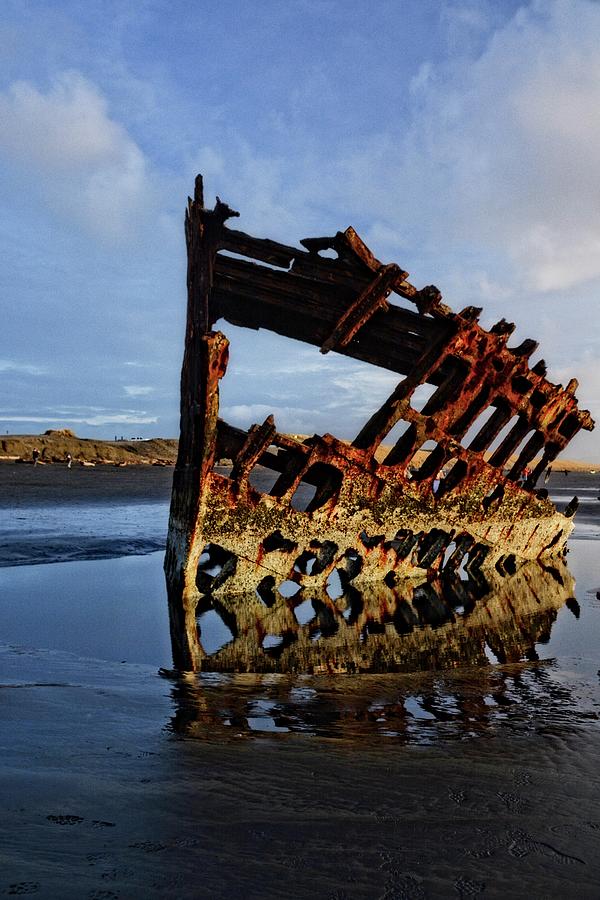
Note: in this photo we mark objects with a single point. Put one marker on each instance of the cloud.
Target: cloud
(297, 363)
(138, 390)
(287, 418)
(90, 168)
(509, 144)
(462, 20)
(94, 416)
(500, 155)
(261, 185)
(359, 392)
(496, 165)
(7, 365)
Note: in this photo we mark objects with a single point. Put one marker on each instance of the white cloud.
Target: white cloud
(8, 365)
(459, 18)
(421, 81)
(248, 413)
(498, 162)
(287, 418)
(297, 363)
(83, 161)
(361, 391)
(271, 192)
(384, 236)
(138, 390)
(115, 419)
(509, 144)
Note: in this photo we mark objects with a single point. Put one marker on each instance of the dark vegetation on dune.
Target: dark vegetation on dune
(55, 445)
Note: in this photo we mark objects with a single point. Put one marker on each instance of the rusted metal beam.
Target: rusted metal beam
(259, 437)
(360, 311)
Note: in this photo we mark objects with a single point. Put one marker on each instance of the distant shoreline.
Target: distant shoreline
(55, 445)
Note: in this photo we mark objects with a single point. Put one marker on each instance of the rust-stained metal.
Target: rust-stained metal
(407, 514)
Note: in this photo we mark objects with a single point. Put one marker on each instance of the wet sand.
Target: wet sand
(117, 782)
(55, 514)
(37, 485)
(103, 798)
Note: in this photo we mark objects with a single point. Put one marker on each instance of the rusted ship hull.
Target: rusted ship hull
(406, 514)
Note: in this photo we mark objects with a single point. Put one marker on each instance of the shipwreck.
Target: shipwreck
(446, 495)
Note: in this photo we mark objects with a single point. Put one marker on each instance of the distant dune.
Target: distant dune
(54, 445)
(570, 465)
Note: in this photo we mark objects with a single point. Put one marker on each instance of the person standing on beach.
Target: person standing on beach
(69, 460)
(35, 455)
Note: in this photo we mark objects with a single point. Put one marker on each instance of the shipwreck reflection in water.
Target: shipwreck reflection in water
(438, 624)
(283, 665)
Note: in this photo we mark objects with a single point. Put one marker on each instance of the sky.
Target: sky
(459, 138)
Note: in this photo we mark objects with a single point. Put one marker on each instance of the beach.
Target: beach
(54, 514)
(120, 779)
(299, 466)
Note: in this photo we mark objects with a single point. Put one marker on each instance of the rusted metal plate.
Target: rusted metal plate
(373, 515)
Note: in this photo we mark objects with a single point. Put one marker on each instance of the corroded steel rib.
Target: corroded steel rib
(374, 297)
(412, 512)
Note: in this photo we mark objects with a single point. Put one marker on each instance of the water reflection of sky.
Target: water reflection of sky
(81, 531)
(134, 519)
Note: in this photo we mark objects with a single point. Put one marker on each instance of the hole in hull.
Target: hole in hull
(276, 541)
(288, 588)
(215, 566)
